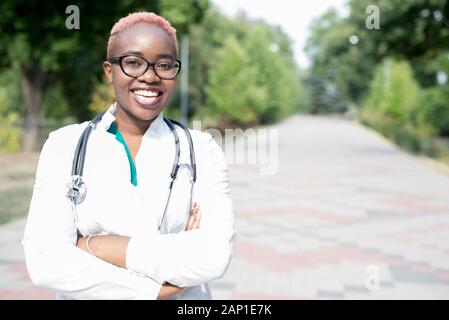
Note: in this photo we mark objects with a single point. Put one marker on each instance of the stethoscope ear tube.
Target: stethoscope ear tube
(80, 151)
(77, 189)
(175, 168)
(192, 152)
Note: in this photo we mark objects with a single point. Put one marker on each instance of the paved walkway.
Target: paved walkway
(347, 216)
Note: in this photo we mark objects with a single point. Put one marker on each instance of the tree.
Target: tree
(408, 29)
(416, 30)
(205, 39)
(342, 62)
(271, 55)
(268, 54)
(34, 37)
(232, 94)
(394, 91)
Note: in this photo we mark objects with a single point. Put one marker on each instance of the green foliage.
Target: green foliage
(10, 111)
(398, 108)
(33, 36)
(263, 56)
(407, 28)
(276, 71)
(12, 99)
(340, 71)
(55, 104)
(434, 109)
(10, 131)
(415, 30)
(404, 135)
(183, 14)
(204, 40)
(402, 100)
(241, 71)
(394, 91)
(232, 92)
(102, 97)
(304, 96)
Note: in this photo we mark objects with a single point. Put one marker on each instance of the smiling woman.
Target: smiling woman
(135, 234)
(130, 42)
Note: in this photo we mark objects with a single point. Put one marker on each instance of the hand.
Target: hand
(81, 243)
(169, 290)
(194, 218)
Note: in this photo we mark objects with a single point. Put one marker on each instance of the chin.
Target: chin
(146, 114)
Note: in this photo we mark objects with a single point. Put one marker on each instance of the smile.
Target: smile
(146, 97)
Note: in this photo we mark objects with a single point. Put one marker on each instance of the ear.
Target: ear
(107, 68)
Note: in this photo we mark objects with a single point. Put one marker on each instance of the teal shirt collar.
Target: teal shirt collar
(118, 136)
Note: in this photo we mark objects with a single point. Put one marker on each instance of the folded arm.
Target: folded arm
(197, 256)
(187, 258)
(112, 249)
(52, 258)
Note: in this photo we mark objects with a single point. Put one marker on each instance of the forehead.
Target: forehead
(149, 39)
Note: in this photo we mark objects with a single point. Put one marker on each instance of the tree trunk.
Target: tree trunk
(33, 82)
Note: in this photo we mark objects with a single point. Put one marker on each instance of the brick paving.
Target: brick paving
(347, 216)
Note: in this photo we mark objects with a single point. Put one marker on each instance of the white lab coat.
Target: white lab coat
(114, 206)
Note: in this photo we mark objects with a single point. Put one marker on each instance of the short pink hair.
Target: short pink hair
(136, 18)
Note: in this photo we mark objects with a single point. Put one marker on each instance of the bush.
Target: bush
(394, 92)
(434, 109)
(10, 129)
(399, 109)
(11, 107)
(404, 135)
(10, 133)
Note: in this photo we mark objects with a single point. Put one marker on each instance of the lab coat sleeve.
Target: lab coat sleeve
(52, 258)
(197, 256)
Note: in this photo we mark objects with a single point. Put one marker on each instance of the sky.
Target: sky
(294, 16)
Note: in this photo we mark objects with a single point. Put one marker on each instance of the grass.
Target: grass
(17, 175)
(409, 138)
(14, 203)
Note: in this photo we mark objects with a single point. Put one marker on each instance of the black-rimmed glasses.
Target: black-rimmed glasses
(135, 66)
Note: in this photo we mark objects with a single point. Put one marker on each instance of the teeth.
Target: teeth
(143, 99)
(145, 93)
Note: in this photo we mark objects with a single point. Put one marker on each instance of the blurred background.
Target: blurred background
(357, 90)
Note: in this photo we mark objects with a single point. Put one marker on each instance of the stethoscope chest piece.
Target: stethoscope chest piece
(77, 190)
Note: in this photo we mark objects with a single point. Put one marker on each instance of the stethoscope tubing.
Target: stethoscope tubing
(78, 189)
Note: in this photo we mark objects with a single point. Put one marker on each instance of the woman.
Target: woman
(123, 241)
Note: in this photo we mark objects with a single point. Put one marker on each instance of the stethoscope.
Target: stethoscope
(77, 188)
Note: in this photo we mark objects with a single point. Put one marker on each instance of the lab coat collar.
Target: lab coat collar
(156, 128)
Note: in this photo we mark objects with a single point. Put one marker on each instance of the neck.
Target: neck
(129, 125)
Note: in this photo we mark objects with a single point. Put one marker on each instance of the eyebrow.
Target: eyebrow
(140, 54)
(134, 53)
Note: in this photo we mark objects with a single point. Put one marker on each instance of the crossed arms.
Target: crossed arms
(145, 266)
(112, 249)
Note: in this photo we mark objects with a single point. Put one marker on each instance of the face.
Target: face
(144, 97)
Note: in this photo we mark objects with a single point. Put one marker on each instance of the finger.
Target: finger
(191, 219)
(190, 222)
(195, 224)
(196, 220)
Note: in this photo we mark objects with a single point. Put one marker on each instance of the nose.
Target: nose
(149, 76)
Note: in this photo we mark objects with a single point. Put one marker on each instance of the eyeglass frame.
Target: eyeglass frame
(118, 60)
